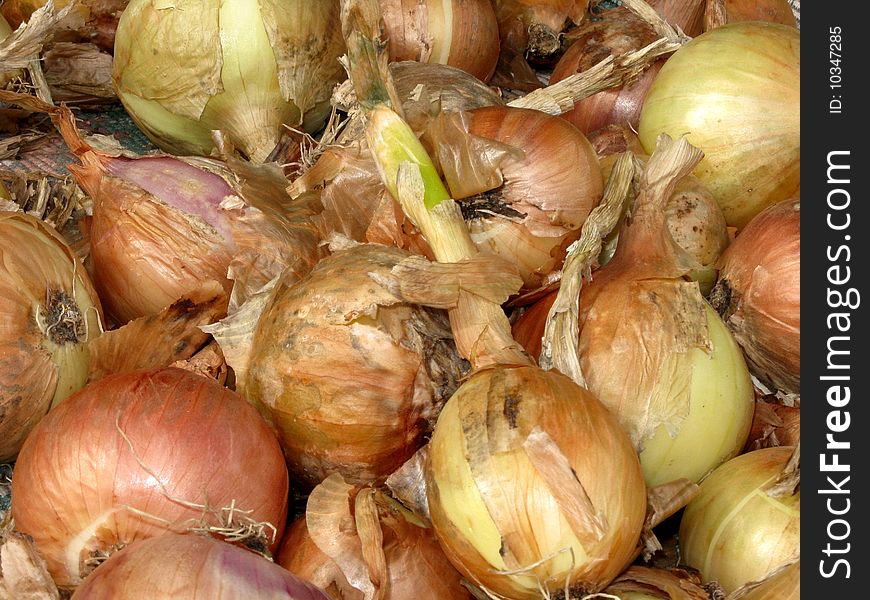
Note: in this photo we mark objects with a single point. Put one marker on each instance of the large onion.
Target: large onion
(48, 312)
(139, 453)
(193, 567)
(244, 67)
(460, 33)
(533, 484)
(734, 92)
(736, 530)
(758, 294)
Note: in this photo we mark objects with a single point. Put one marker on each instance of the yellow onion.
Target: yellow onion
(246, 68)
(783, 584)
(534, 28)
(654, 351)
(463, 34)
(734, 92)
(773, 424)
(758, 294)
(350, 375)
(386, 549)
(140, 453)
(736, 530)
(533, 485)
(49, 311)
(194, 567)
(92, 21)
(733, 11)
(547, 192)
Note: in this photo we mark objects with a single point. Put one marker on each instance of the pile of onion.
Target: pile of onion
(49, 311)
(758, 294)
(744, 524)
(138, 454)
(361, 543)
(243, 67)
(463, 34)
(194, 567)
(734, 91)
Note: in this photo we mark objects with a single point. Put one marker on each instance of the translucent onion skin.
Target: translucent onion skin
(734, 92)
(82, 491)
(758, 294)
(241, 66)
(495, 509)
(459, 33)
(733, 532)
(49, 310)
(193, 567)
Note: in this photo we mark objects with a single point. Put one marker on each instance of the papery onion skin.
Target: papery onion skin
(758, 294)
(546, 196)
(76, 476)
(246, 68)
(193, 567)
(89, 20)
(350, 376)
(734, 92)
(773, 11)
(49, 310)
(459, 33)
(733, 532)
(477, 462)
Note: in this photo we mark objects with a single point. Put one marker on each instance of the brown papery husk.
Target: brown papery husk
(720, 12)
(79, 73)
(773, 424)
(533, 29)
(414, 564)
(91, 21)
(758, 294)
(648, 583)
(350, 375)
(23, 573)
(460, 33)
(142, 453)
(49, 312)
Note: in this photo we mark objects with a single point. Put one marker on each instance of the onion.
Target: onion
(647, 583)
(49, 311)
(193, 567)
(774, 424)
(387, 549)
(720, 12)
(463, 34)
(783, 584)
(758, 294)
(92, 21)
(139, 453)
(350, 375)
(654, 351)
(516, 488)
(533, 28)
(734, 92)
(246, 68)
(735, 531)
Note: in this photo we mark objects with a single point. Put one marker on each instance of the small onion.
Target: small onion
(193, 567)
(734, 92)
(532, 484)
(736, 532)
(49, 311)
(244, 67)
(758, 294)
(463, 34)
(138, 453)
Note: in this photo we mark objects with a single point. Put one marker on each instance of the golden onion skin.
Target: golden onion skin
(49, 310)
(734, 92)
(492, 507)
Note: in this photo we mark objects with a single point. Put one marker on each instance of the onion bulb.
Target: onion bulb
(49, 311)
(140, 453)
(532, 484)
(782, 584)
(758, 294)
(243, 67)
(350, 375)
(534, 28)
(735, 531)
(355, 542)
(734, 92)
(733, 11)
(774, 424)
(463, 34)
(194, 567)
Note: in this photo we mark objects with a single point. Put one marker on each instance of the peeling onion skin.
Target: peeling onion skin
(193, 567)
(417, 30)
(732, 531)
(774, 11)
(49, 310)
(478, 462)
(758, 294)
(350, 378)
(76, 471)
